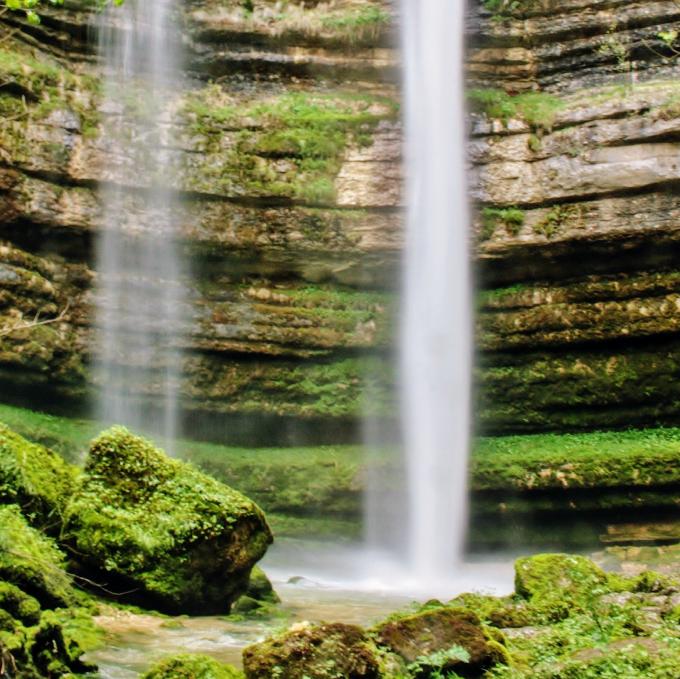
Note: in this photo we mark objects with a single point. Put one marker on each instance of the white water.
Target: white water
(417, 505)
(436, 337)
(139, 293)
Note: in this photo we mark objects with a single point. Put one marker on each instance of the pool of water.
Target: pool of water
(317, 582)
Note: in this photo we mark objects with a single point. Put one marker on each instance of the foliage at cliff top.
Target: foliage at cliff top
(178, 539)
(35, 478)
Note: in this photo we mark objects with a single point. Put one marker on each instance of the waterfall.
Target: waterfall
(417, 502)
(436, 337)
(139, 295)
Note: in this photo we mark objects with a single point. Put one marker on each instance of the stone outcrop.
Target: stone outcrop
(293, 222)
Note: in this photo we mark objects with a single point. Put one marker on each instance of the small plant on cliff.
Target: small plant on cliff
(537, 109)
(511, 218)
(504, 9)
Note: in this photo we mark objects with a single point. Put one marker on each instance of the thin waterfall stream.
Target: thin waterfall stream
(140, 297)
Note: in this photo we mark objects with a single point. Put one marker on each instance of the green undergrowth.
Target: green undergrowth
(309, 130)
(297, 484)
(597, 459)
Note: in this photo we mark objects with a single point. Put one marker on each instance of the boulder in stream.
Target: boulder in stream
(321, 652)
(159, 531)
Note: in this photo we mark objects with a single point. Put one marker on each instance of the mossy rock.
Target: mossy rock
(322, 652)
(35, 478)
(435, 631)
(174, 538)
(557, 585)
(32, 561)
(260, 587)
(191, 666)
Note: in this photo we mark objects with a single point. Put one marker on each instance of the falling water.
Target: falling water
(436, 327)
(416, 504)
(139, 295)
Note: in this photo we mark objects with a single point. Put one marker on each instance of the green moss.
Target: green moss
(323, 652)
(557, 585)
(184, 541)
(35, 478)
(190, 666)
(537, 109)
(33, 562)
(511, 218)
(593, 460)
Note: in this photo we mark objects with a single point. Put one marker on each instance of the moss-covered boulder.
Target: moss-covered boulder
(32, 561)
(557, 585)
(158, 529)
(320, 652)
(191, 666)
(425, 639)
(35, 478)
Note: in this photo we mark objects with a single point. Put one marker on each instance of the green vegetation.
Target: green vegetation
(511, 218)
(309, 130)
(537, 109)
(32, 561)
(360, 24)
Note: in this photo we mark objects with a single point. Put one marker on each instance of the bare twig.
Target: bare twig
(34, 323)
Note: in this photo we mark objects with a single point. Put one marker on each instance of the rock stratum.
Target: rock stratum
(287, 155)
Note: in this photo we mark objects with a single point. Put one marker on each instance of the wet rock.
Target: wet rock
(417, 637)
(321, 652)
(167, 534)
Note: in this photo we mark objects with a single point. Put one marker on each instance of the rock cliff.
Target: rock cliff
(288, 157)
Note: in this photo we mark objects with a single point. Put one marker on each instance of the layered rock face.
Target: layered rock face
(288, 157)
